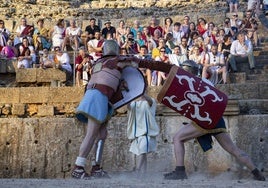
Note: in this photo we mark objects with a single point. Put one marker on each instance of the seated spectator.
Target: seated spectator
(145, 35)
(62, 62)
(25, 58)
(185, 26)
(184, 49)
(236, 24)
(24, 30)
(233, 5)
(265, 6)
(214, 66)
(201, 26)
(161, 76)
(41, 36)
(177, 33)
(57, 33)
(242, 52)
(177, 58)
(224, 48)
(154, 40)
(4, 34)
(73, 36)
(130, 45)
(227, 26)
(168, 27)
(46, 60)
(250, 24)
(83, 67)
(90, 30)
(199, 58)
(108, 30)
(171, 42)
(95, 45)
(254, 5)
(156, 51)
(147, 73)
(140, 41)
(9, 51)
(26, 45)
(136, 28)
(154, 25)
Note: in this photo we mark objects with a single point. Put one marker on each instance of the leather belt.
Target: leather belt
(106, 90)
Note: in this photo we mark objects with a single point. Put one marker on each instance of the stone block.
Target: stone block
(238, 77)
(47, 75)
(6, 110)
(9, 95)
(244, 91)
(26, 75)
(18, 109)
(12, 65)
(45, 110)
(34, 95)
(263, 90)
(65, 94)
(9, 24)
(3, 66)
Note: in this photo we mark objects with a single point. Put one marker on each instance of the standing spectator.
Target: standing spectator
(41, 36)
(23, 30)
(94, 46)
(136, 28)
(242, 52)
(154, 25)
(57, 33)
(142, 130)
(167, 28)
(82, 67)
(121, 33)
(147, 73)
(108, 29)
(215, 66)
(72, 35)
(233, 5)
(90, 30)
(4, 34)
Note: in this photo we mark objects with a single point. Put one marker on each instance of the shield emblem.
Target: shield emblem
(135, 83)
(193, 98)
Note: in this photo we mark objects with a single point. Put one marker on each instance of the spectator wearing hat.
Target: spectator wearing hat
(108, 29)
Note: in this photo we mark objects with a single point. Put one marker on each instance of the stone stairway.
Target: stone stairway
(250, 88)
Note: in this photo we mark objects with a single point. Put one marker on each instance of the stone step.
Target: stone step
(253, 106)
(243, 91)
(257, 77)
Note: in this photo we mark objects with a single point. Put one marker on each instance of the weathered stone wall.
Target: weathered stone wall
(47, 147)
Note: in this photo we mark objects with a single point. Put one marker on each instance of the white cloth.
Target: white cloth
(64, 60)
(177, 59)
(57, 36)
(142, 127)
(239, 49)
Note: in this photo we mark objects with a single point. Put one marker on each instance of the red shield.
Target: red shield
(193, 98)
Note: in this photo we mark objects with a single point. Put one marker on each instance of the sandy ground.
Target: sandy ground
(144, 181)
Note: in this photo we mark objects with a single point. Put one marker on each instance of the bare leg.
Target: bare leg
(187, 132)
(142, 163)
(88, 142)
(225, 141)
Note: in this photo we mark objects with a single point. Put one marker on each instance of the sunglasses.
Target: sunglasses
(162, 51)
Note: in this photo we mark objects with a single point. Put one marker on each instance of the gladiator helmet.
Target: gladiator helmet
(110, 47)
(190, 66)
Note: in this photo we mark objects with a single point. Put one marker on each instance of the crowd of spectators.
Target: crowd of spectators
(214, 48)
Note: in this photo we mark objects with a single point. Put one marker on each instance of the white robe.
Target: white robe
(142, 127)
